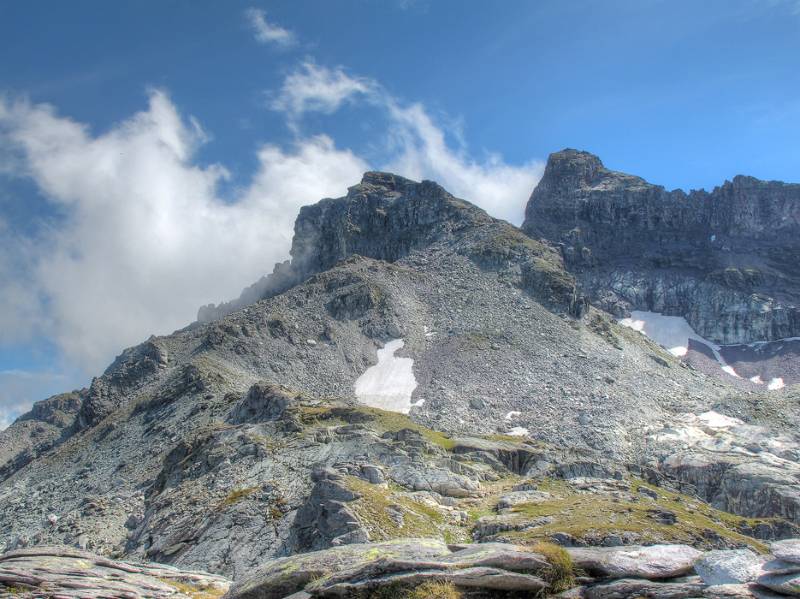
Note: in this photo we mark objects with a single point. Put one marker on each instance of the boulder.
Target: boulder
(653, 562)
(735, 566)
(517, 497)
(785, 584)
(787, 550)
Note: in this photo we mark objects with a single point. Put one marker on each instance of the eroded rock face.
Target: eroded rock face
(352, 569)
(48, 424)
(71, 573)
(726, 259)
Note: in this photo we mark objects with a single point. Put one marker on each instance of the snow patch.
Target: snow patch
(714, 419)
(512, 414)
(776, 384)
(673, 333)
(388, 385)
(518, 431)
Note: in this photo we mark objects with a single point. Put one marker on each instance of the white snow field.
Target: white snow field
(388, 385)
(518, 431)
(673, 333)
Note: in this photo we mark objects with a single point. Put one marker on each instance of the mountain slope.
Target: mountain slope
(243, 438)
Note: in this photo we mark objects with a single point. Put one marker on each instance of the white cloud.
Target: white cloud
(266, 32)
(312, 88)
(499, 188)
(419, 145)
(145, 239)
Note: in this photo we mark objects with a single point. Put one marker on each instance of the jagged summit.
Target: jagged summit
(384, 217)
(577, 191)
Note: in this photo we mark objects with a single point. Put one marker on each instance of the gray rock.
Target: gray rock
(787, 550)
(785, 584)
(628, 588)
(349, 570)
(653, 562)
(737, 566)
(518, 497)
(638, 246)
(72, 573)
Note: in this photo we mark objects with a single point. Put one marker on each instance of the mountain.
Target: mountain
(420, 369)
(727, 260)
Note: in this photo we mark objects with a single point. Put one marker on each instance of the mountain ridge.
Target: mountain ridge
(244, 438)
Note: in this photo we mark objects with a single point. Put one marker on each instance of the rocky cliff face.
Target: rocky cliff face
(727, 260)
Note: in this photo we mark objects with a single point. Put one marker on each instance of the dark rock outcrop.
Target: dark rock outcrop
(728, 260)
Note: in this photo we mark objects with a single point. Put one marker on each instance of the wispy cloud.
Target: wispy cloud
(418, 143)
(266, 32)
(312, 88)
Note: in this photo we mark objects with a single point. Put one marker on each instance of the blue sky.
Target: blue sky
(153, 154)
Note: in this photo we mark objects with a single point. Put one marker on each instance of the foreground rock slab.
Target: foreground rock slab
(63, 572)
(349, 570)
(788, 550)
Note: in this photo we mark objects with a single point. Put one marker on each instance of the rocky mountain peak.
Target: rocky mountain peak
(384, 217)
(573, 165)
(425, 384)
(720, 259)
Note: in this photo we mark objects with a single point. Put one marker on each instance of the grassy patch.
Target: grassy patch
(561, 573)
(193, 591)
(588, 514)
(419, 519)
(434, 589)
(383, 421)
(486, 506)
(602, 326)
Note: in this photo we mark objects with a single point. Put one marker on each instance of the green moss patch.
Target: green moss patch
(419, 520)
(583, 514)
(382, 420)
